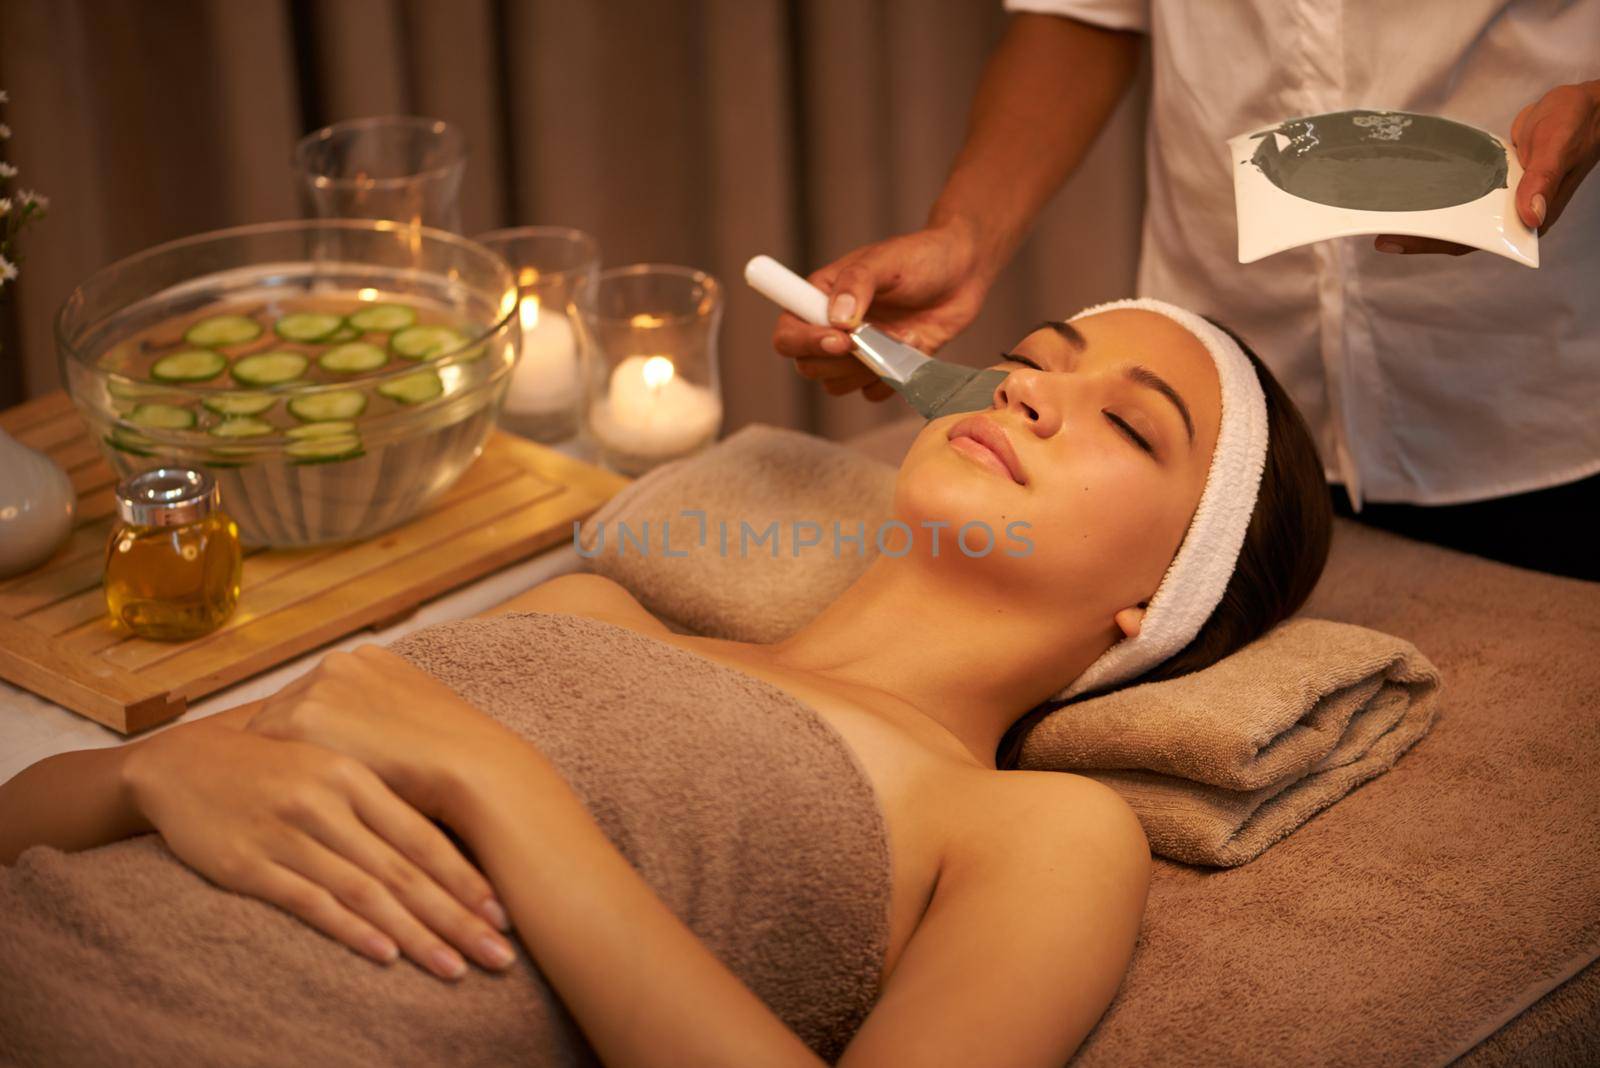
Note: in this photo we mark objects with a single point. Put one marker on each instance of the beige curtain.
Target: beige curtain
(682, 131)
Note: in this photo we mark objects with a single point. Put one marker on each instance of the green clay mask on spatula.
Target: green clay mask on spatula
(933, 387)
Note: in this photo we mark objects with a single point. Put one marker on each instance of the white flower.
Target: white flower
(3, 96)
(8, 270)
(28, 196)
(5, 207)
(7, 170)
(5, 131)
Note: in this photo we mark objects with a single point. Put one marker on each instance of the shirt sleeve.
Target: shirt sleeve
(1108, 14)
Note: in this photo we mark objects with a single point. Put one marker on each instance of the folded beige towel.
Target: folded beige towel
(745, 812)
(758, 477)
(1221, 763)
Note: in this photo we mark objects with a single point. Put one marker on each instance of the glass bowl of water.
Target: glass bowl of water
(334, 376)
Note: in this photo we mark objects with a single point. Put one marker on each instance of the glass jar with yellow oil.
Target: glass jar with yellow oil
(173, 562)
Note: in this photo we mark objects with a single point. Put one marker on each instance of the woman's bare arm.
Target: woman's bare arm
(82, 799)
(1027, 938)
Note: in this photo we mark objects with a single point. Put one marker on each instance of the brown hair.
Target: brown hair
(1285, 548)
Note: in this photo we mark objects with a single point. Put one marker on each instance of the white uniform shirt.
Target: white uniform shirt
(1427, 378)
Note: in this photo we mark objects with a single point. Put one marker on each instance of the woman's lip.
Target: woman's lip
(980, 452)
(983, 439)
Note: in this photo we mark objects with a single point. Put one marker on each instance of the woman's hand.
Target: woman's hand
(1557, 139)
(320, 836)
(923, 288)
(376, 707)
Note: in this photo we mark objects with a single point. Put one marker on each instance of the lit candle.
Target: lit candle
(546, 377)
(651, 411)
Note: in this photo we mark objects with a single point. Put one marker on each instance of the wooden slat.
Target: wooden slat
(39, 410)
(81, 453)
(52, 434)
(516, 499)
(76, 565)
(103, 692)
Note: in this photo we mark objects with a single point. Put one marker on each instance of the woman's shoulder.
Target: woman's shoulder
(581, 593)
(1044, 812)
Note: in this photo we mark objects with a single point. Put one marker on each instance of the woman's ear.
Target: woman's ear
(1130, 619)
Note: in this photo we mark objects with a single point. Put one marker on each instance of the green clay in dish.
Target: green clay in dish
(1381, 160)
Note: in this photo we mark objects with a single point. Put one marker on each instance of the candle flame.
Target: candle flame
(530, 312)
(367, 294)
(657, 371)
(645, 319)
(527, 276)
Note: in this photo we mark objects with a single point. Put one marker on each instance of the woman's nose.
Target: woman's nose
(1023, 392)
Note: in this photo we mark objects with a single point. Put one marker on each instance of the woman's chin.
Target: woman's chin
(955, 490)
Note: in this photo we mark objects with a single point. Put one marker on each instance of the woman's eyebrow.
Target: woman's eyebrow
(1066, 330)
(1146, 377)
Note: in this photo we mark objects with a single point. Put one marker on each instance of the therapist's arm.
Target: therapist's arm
(1046, 92)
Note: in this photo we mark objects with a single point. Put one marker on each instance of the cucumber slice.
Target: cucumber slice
(162, 416)
(343, 334)
(222, 330)
(128, 441)
(191, 365)
(242, 426)
(331, 429)
(324, 450)
(425, 342)
(322, 407)
(122, 389)
(269, 368)
(231, 455)
(353, 358)
(239, 403)
(308, 326)
(383, 318)
(413, 389)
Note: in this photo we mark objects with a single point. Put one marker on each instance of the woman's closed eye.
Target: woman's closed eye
(1013, 357)
(1132, 434)
(1121, 424)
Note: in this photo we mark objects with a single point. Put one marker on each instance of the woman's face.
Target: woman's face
(1111, 422)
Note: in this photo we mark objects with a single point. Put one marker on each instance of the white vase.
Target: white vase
(37, 503)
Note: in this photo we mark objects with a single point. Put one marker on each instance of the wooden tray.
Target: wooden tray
(57, 640)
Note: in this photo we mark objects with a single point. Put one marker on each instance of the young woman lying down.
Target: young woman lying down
(705, 851)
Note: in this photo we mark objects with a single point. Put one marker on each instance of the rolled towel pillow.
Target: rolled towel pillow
(1223, 762)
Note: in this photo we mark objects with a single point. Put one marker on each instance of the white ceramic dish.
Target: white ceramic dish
(1356, 172)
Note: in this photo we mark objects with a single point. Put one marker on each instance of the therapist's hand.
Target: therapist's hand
(923, 287)
(1557, 139)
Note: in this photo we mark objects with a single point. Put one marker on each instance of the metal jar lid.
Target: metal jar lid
(166, 497)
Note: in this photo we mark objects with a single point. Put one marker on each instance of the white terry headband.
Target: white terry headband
(1194, 583)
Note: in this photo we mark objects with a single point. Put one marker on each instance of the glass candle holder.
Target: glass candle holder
(651, 387)
(552, 265)
(400, 167)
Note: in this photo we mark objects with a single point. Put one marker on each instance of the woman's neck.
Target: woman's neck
(939, 639)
